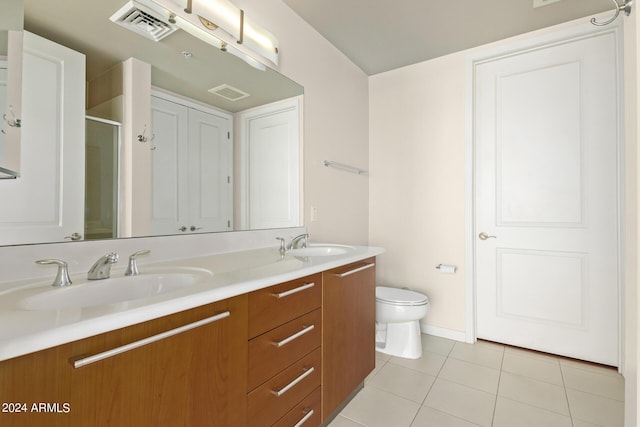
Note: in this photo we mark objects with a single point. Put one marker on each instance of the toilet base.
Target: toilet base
(402, 339)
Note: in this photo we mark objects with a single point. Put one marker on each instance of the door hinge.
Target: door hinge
(228, 135)
(228, 223)
(228, 180)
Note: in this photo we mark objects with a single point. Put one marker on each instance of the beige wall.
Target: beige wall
(417, 193)
(335, 123)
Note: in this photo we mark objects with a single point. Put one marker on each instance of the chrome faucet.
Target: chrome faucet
(305, 241)
(102, 267)
(132, 268)
(62, 277)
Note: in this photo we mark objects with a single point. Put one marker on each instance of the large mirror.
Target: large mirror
(198, 93)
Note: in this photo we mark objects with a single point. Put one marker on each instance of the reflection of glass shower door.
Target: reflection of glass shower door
(101, 179)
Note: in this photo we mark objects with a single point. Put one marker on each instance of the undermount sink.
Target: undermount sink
(88, 293)
(322, 250)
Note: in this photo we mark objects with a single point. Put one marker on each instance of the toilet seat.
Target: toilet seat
(402, 297)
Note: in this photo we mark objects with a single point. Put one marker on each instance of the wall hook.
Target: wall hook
(14, 122)
(625, 7)
(142, 137)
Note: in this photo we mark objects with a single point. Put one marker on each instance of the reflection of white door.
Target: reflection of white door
(46, 203)
(191, 169)
(546, 123)
(3, 109)
(271, 166)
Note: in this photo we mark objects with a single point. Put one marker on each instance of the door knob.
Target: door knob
(183, 228)
(74, 236)
(194, 228)
(485, 236)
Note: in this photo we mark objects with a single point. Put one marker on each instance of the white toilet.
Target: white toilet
(398, 314)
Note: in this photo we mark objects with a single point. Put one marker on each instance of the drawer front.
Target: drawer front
(273, 351)
(275, 398)
(305, 414)
(273, 306)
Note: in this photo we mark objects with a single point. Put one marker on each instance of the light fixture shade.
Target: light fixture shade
(257, 44)
(223, 13)
(260, 40)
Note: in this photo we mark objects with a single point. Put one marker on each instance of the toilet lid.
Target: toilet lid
(400, 296)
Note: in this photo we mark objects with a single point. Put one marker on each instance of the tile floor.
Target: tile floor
(485, 384)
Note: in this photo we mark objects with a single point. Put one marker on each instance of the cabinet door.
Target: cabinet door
(348, 343)
(193, 378)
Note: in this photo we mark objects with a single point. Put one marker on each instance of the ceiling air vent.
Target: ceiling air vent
(132, 17)
(229, 92)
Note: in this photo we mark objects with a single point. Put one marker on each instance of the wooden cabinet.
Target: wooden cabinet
(284, 370)
(348, 325)
(193, 376)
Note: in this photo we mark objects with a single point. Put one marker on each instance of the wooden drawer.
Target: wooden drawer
(273, 351)
(275, 305)
(305, 414)
(292, 385)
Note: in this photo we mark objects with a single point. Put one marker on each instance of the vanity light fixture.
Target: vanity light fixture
(224, 25)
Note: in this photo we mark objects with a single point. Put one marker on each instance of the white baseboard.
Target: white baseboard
(443, 332)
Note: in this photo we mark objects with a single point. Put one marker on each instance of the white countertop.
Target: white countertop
(234, 273)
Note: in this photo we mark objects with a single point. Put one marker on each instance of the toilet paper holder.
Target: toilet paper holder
(447, 269)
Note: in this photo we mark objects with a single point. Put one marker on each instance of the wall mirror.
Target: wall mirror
(188, 73)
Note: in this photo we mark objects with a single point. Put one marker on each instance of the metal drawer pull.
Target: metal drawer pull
(294, 290)
(356, 270)
(122, 349)
(288, 387)
(308, 414)
(306, 329)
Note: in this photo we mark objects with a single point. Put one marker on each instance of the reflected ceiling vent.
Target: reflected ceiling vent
(229, 92)
(143, 22)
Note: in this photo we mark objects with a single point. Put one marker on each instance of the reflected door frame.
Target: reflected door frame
(278, 117)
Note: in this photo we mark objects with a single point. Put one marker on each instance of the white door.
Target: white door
(46, 203)
(546, 135)
(4, 106)
(210, 170)
(170, 198)
(191, 169)
(271, 163)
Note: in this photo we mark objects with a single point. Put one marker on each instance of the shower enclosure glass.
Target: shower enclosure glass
(101, 179)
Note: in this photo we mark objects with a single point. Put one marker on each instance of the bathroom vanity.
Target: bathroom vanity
(268, 339)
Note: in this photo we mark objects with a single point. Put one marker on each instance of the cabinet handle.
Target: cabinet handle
(294, 290)
(288, 387)
(306, 329)
(136, 344)
(356, 270)
(308, 413)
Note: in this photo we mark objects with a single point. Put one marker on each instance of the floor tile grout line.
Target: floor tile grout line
(495, 403)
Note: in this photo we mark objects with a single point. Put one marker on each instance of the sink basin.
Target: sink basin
(322, 250)
(87, 293)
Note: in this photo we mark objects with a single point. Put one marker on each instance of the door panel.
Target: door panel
(271, 166)
(170, 133)
(211, 158)
(546, 179)
(46, 203)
